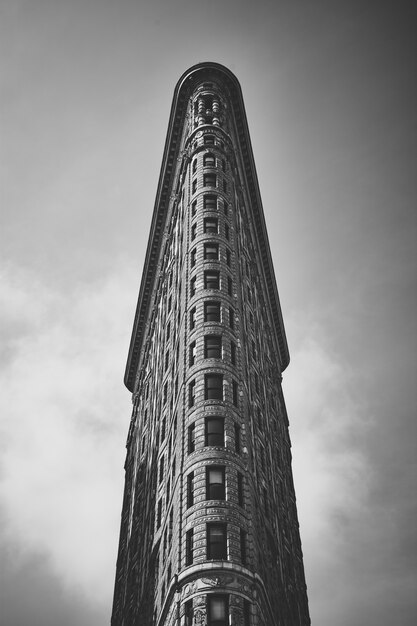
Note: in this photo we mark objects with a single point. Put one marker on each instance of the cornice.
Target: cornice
(200, 73)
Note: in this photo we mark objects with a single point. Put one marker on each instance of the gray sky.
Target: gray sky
(329, 88)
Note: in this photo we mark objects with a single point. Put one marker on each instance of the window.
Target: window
(211, 280)
(190, 489)
(210, 203)
(189, 549)
(194, 166)
(209, 140)
(233, 353)
(159, 514)
(235, 393)
(191, 353)
(215, 483)
(225, 208)
(209, 180)
(212, 311)
(214, 387)
(237, 438)
(218, 610)
(211, 225)
(193, 257)
(229, 286)
(193, 232)
(228, 257)
(225, 186)
(231, 318)
(194, 208)
(194, 186)
(209, 160)
(191, 393)
(240, 498)
(216, 541)
(226, 231)
(246, 613)
(223, 165)
(192, 318)
(214, 431)
(192, 286)
(166, 359)
(161, 468)
(191, 438)
(213, 347)
(211, 251)
(243, 546)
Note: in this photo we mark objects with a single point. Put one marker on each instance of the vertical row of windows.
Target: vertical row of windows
(213, 434)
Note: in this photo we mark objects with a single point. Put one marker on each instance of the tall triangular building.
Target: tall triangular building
(209, 532)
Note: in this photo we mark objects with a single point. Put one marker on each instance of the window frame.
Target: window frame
(213, 391)
(216, 435)
(216, 543)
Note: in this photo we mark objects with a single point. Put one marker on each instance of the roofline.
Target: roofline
(183, 90)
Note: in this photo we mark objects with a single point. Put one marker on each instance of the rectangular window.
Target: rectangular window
(237, 438)
(235, 393)
(211, 225)
(216, 541)
(243, 546)
(223, 165)
(194, 187)
(209, 180)
(190, 489)
(194, 166)
(192, 286)
(218, 610)
(227, 231)
(211, 280)
(159, 514)
(193, 232)
(209, 140)
(240, 497)
(225, 186)
(213, 347)
(214, 431)
(192, 318)
(191, 393)
(246, 613)
(233, 353)
(231, 318)
(211, 251)
(212, 311)
(209, 160)
(210, 203)
(193, 257)
(161, 468)
(213, 387)
(191, 438)
(215, 483)
(194, 208)
(228, 257)
(225, 207)
(191, 354)
(189, 548)
(229, 286)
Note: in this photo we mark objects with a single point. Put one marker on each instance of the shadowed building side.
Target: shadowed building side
(209, 530)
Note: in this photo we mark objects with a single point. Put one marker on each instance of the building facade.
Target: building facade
(209, 531)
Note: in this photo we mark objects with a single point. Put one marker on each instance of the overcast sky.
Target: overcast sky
(329, 89)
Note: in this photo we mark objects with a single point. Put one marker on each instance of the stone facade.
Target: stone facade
(209, 531)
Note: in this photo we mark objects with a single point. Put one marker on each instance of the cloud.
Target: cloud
(64, 419)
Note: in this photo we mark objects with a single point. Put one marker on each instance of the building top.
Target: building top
(186, 85)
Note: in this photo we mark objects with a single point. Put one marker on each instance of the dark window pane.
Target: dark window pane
(212, 311)
(214, 387)
(211, 225)
(214, 431)
(211, 280)
(210, 203)
(216, 541)
(211, 251)
(191, 438)
(209, 160)
(209, 180)
(215, 483)
(212, 347)
(218, 610)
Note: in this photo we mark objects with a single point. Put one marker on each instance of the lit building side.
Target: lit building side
(209, 530)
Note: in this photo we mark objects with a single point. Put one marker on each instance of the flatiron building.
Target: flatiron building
(209, 530)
